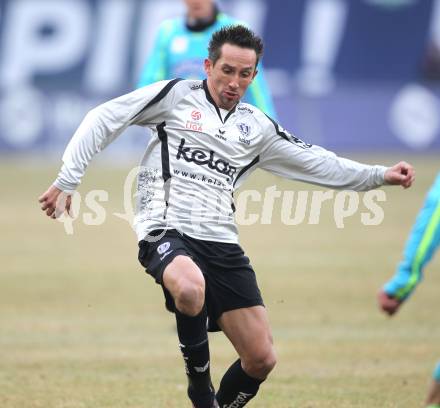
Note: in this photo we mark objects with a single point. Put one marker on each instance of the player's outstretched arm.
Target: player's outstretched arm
(54, 202)
(401, 174)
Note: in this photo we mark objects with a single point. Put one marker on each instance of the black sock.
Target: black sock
(194, 346)
(236, 387)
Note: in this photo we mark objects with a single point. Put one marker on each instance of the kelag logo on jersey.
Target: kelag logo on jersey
(200, 158)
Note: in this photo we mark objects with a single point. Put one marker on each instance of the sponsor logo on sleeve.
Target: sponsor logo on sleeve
(293, 138)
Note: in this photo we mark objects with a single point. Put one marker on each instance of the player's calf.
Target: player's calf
(193, 338)
(237, 387)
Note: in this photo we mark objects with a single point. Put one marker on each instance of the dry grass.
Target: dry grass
(81, 326)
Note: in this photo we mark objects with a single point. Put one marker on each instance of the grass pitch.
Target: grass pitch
(82, 326)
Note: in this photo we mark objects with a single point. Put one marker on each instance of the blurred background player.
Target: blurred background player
(180, 49)
(422, 243)
(433, 399)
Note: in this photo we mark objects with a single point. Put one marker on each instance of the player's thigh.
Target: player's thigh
(182, 273)
(249, 331)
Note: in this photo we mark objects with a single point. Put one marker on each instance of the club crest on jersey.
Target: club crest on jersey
(244, 129)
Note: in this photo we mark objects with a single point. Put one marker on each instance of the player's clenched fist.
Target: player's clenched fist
(387, 303)
(54, 202)
(402, 174)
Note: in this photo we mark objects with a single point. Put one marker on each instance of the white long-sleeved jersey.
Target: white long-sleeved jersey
(199, 154)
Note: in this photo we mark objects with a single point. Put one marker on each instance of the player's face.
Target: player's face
(231, 75)
(199, 9)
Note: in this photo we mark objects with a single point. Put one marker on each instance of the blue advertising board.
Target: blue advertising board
(344, 74)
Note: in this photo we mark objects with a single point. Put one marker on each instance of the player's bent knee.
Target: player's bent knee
(261, 364)
(190, 297)
(186, 283)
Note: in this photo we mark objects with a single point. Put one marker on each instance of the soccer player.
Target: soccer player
(204, 144)
(180, 49)
(421, 245)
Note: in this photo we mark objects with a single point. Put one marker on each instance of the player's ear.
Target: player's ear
(208, 66)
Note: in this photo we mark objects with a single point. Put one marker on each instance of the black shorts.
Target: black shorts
(229, 278)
